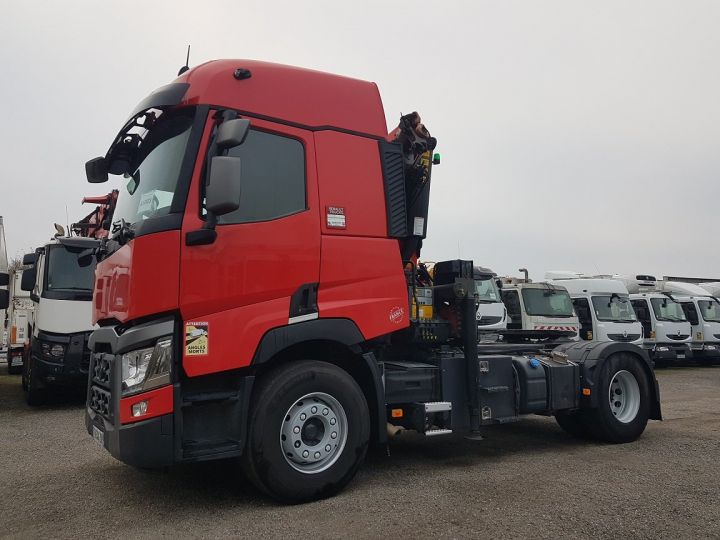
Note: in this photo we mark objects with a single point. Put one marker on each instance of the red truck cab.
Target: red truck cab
(305, 257)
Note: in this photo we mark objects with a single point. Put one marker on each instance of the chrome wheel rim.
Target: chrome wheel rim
(624, 395)
(313, 433)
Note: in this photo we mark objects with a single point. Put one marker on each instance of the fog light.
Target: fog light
(663, 349)
(138, 409)
(710, 347)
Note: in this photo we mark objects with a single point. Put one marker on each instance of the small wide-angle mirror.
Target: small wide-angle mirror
(232, 133)
(4, 298)
(4, 279)
(96, 170)
(29, 258)
(223, 190)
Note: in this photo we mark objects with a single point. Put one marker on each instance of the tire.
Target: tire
(624, 419)
(33, 394)
(296, 396)
(573, 423)
(13, 370)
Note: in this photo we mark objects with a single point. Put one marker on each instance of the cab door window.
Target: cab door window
(582, 308)
(512, 304)
(272, 178)
(643, 314)
(690, 312)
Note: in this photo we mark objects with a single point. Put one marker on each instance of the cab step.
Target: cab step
(434, 432)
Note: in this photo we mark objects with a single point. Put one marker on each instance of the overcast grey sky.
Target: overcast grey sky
(574, 135)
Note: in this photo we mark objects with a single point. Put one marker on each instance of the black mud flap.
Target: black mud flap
(591, 355)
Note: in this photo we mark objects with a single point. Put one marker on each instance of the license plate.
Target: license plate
(99, 436)
(680, 355)
(16, 361)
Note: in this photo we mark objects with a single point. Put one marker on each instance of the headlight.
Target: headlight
(144, 369)
(52, 351)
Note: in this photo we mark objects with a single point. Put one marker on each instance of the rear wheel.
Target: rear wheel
(308, 434)
(12, 370)
(623, 401)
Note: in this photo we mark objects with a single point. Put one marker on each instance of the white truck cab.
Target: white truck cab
(666, 330)
(60, 283)
(20, 321)
(491, 314)
(603, 307)
(703, 312)
(538, 309)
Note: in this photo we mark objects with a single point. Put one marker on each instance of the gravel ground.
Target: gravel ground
(525, 480)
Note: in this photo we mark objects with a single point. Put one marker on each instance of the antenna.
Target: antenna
(187, 63)
(67, 221)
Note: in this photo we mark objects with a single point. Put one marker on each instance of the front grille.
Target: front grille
(102, 367)
(623, 337)
(100, 401)
(679, 337)
(486, 321)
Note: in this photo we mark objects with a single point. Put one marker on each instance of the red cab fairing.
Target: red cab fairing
(139, 279)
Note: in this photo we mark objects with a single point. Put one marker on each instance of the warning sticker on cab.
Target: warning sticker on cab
(197, 338)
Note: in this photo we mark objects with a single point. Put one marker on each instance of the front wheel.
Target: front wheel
(623, 401)
(34, 393)
(308, 434)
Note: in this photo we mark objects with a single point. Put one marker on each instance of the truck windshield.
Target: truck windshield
(64, 273)
(667, 310)
(153, 167)
(486, 290)
(547, 302)
(710, 310)
(613, 308)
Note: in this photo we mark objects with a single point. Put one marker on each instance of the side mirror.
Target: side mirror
(223, 190)
(4, 280)
(29, 259)
(4, 298)
(27, 282)
(231, 133)
(96, 170)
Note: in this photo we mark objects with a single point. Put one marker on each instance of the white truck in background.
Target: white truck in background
(537, 311)
(20, 320)
(602, 305)
(702, 310)
(666, 330)
(60, 281)
(4, 282)
(491, 314)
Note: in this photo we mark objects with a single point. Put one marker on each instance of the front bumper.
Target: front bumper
(669, 351)
(143, 443)
(708, 351)
(71, 369)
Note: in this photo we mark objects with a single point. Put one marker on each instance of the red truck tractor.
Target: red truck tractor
(255, 295)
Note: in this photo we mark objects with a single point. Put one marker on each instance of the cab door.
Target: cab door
(235, 289)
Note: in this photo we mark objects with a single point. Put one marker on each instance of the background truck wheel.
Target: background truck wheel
(33, 394)
(13, 370)
(308, 434)
(623, 401)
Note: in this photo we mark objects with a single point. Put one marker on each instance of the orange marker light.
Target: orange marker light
(586, 391)
(396, 413)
